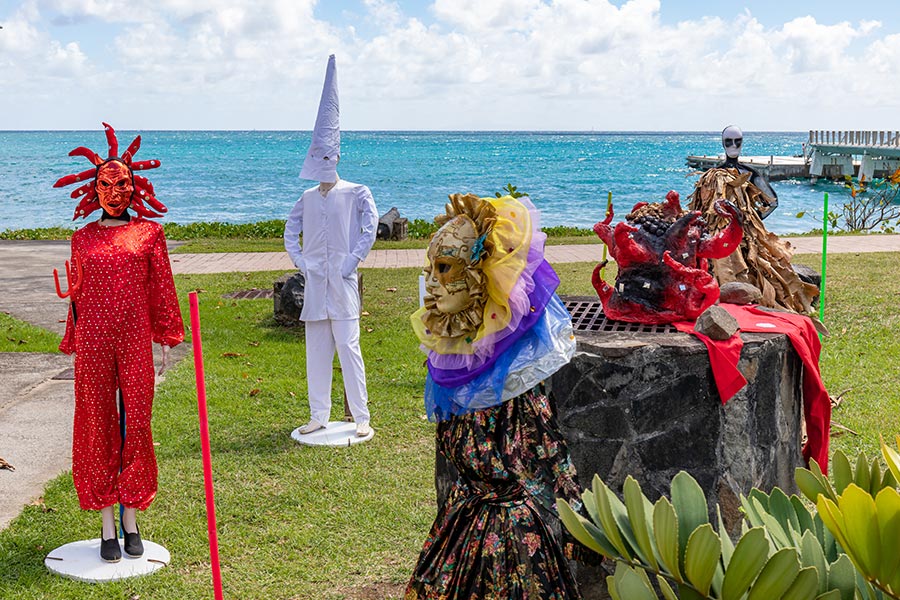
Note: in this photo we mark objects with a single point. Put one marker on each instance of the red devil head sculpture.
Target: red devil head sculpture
(111, 182)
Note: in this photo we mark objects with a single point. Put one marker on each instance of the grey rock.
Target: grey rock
(716, 323)
(288, 299)
(808, 274)
(738, 292)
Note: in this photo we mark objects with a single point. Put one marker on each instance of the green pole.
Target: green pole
(824, 260)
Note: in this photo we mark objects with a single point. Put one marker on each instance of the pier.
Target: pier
(773, 168)
(833, 154)
(827, 153)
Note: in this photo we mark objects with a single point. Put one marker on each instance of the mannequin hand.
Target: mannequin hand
(165, 359)
(350, 264)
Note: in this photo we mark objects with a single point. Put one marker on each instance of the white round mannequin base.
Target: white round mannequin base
(81, 561)
(336, 433)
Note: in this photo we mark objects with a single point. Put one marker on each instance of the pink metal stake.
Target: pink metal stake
(204, 444)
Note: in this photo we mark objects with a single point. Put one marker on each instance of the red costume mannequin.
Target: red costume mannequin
(122, 300)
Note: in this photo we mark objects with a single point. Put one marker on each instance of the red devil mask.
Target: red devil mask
(112, 184)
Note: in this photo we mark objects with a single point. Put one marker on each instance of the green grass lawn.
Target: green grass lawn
(16, 336)
(298, 522)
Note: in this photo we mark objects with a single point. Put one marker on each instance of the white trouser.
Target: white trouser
(321, 339)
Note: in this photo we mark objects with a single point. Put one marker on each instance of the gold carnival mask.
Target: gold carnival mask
(450, 253)
(114, 187)
(454, 280)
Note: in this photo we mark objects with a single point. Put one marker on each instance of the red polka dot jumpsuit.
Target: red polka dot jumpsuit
(126, 302)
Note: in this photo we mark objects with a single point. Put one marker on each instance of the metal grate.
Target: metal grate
(251, 294)
(587, 315)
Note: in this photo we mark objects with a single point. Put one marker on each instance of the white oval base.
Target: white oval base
(336, 433)
(81, 561)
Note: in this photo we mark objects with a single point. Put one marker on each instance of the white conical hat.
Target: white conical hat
(321, 159)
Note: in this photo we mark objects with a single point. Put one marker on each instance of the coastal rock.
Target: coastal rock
(738, 292)
(715, 322)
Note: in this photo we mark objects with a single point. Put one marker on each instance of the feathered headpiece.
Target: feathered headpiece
(143, 189)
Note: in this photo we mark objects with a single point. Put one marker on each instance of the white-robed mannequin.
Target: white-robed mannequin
(338, 220)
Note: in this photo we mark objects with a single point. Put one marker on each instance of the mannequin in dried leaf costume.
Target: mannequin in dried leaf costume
(764, 260)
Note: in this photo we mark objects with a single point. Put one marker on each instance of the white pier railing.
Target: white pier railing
(867, 139)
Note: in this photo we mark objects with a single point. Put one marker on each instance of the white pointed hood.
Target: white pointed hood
(321, 159)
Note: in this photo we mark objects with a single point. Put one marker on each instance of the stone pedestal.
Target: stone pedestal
(646, 405)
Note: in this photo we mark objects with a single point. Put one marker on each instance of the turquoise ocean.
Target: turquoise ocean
(248, 176)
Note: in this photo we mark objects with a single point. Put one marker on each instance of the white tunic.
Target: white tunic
(341, 224)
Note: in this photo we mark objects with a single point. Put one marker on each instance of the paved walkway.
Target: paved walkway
(395, 259)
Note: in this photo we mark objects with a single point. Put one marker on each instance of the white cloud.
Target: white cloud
(538, 64)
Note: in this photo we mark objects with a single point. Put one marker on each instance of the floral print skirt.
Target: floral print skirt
(490, 540)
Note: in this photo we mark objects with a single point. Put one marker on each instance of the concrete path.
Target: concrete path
(395, 259)
(35, 426)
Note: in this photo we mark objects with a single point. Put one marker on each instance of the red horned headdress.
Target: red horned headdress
(141, 188)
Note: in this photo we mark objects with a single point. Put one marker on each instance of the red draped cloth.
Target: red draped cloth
(724, 356)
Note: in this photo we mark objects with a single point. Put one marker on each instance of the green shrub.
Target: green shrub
(193, 231)
(40, 233)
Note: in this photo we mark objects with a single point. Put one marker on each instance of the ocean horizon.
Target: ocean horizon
(243, 176)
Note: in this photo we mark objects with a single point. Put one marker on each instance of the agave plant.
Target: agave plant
(865, 520)
(674, 542)
(849, 548)
(789, 523)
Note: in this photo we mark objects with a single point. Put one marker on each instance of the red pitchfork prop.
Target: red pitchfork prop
(204, 445)
(73, 287)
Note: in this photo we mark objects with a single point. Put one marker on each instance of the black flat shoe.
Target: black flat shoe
(134, 547)
(109, 549)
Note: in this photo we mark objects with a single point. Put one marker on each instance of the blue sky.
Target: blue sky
(451, 64)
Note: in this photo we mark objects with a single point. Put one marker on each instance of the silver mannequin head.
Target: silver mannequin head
(732, 141)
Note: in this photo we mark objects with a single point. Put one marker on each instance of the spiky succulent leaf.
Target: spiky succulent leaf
(702, 557)
(804, 586)
(665, 529)
(887, 505)
(812, 555)
(575, 524)
(750, 555)
(628, 585)
(777, 576)
(607, 519)
(690, 506)
(639, 508)
(841, 472)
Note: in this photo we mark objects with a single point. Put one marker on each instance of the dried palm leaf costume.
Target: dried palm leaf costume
(123, 300)
(764, 260)
(494, 329)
